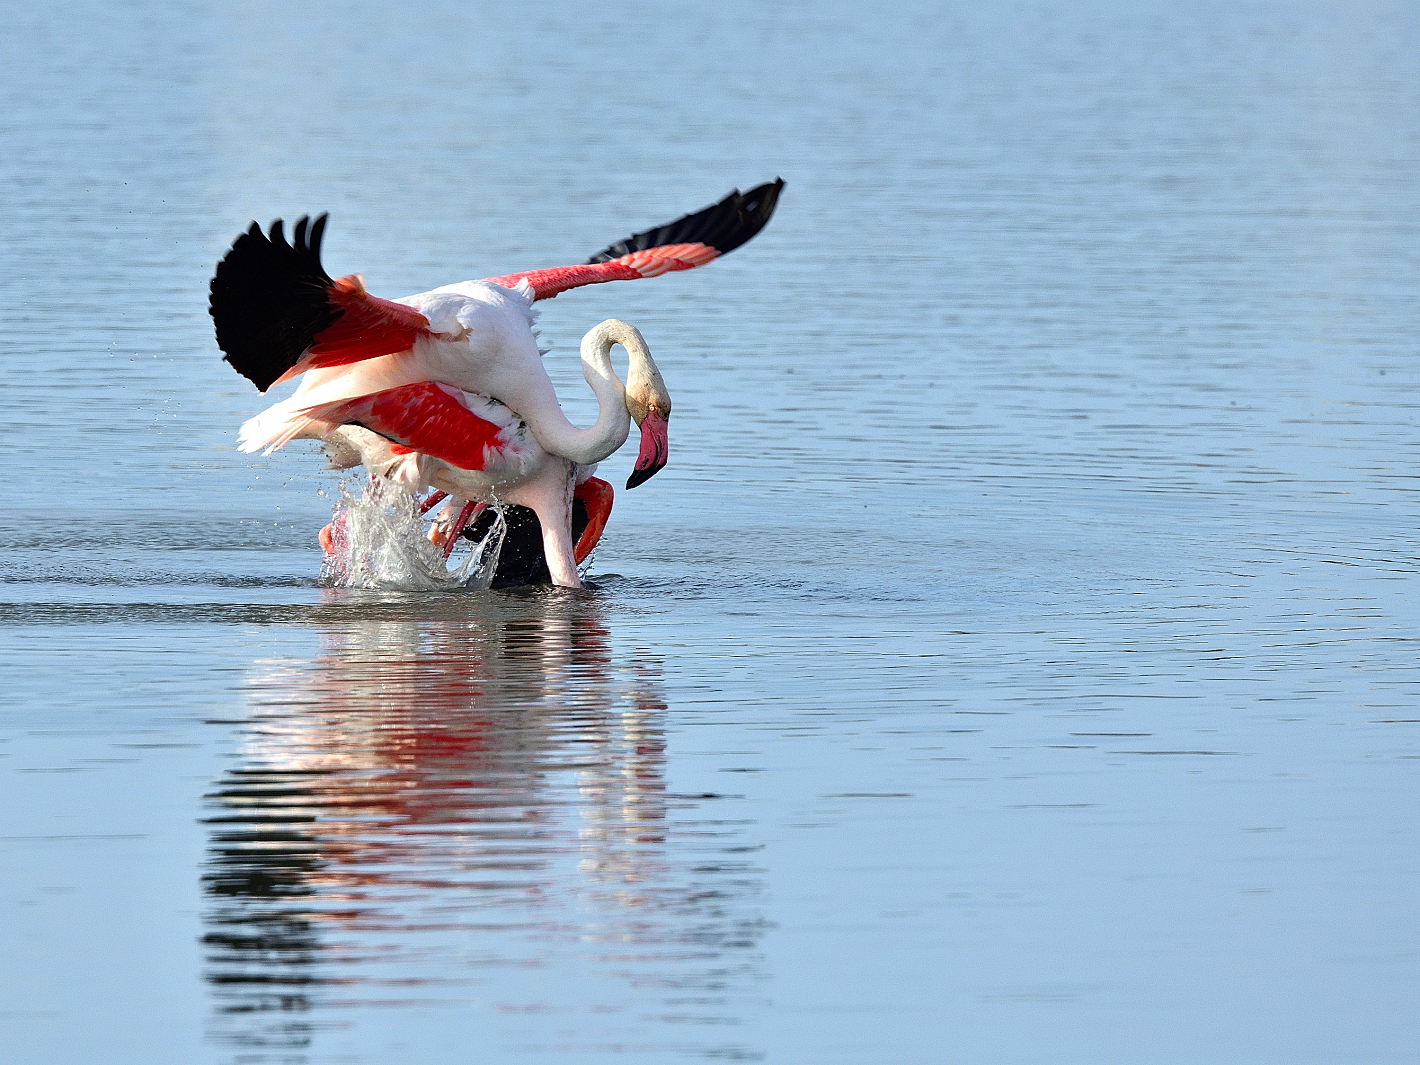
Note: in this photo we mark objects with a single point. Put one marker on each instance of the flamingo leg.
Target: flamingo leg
(328, 533)
(549, 495)
(438, 532)
(465, 516)
(435, 498)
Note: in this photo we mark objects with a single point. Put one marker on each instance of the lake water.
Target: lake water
(1016, 662)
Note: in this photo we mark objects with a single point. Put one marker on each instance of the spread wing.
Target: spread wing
(683, 244)
(278, 313)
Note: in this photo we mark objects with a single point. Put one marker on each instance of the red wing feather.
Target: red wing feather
(364, 327)
(369, 327)
(425, 417)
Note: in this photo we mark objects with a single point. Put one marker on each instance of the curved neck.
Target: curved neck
(613, 424)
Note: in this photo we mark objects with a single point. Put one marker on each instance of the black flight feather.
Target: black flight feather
(724, 226)
(269, 300)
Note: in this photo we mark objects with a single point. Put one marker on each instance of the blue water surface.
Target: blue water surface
(1016, 663)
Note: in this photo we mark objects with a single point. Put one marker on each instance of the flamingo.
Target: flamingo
(279, 315)
(469, 447)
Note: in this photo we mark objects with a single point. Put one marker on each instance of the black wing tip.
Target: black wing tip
(306, 234)
(756, 207)
(724, 226)
(268, 298)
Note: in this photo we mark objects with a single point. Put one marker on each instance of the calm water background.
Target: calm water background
(1017, 661)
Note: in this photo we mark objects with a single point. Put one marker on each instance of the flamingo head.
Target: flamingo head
(650, 406)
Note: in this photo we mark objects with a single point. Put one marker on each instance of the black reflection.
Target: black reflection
(416, 807)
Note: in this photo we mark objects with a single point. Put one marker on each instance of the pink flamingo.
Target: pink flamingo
(408, 369)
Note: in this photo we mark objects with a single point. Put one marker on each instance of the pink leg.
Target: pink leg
(470, 509)
(330, 532)
(549, 494)
(434, 500)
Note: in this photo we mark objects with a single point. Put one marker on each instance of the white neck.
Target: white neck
(586, 446)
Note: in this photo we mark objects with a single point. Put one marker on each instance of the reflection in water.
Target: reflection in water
(453, 790)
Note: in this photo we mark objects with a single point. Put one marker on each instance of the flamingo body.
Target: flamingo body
(475, 448)
(479, 340)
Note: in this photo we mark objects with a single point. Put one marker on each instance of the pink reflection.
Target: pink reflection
(426, 774)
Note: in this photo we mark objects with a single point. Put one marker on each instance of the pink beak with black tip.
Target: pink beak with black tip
(655, 448)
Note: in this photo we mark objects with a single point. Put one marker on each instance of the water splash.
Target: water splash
(378, 541)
